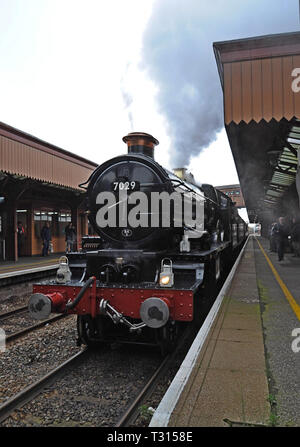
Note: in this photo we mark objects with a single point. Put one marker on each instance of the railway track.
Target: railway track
(132, 413)
(144, 392)
(59, 384)
(53, 384)
(30, 392)
(23, 313)
(13, 312)
(22, 332)
(16, 294)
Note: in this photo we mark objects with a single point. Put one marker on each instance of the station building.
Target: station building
(234, 192)
(260, 78)
(38, 184)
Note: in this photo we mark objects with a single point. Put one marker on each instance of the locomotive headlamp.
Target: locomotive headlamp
(63, 274)
(164, 280)
(166, 277)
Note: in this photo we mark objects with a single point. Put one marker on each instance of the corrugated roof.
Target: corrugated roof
(27, 156)
(262, 113)
(256, 76)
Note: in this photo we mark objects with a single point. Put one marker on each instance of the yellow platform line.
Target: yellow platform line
(294, 305)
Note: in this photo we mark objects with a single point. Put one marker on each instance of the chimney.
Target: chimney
(185, 175)
(140, 143)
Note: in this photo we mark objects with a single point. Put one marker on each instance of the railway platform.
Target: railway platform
(243, 368)
(27, 267)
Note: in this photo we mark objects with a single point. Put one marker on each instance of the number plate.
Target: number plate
(126, 186)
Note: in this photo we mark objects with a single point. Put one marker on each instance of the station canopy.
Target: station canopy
(262, 118)
(24, 157)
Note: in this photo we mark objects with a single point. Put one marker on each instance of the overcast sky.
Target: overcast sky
(82, 74)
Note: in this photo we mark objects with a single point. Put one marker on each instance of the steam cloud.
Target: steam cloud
(178, 56)
(127, 98)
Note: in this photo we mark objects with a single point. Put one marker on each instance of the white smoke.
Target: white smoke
(127, 98)
(178, 57)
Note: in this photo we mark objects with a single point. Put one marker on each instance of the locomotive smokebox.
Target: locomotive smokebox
(140, 143)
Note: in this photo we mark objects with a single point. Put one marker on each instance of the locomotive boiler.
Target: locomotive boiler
(160, 246)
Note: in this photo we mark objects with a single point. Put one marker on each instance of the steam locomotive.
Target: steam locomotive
(161, 244)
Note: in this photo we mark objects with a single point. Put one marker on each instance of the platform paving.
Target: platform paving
(228, 384)
(280, 316)
(28, 262)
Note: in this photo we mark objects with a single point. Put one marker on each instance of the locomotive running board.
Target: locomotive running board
(204, 254)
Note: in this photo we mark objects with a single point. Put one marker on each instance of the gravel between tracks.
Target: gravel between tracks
(94, 393)
(16, 323)
(29, 358)
(17, 295)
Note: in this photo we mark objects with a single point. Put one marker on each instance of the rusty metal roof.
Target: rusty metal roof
(256, 76)
(27, 156)
(262, 114)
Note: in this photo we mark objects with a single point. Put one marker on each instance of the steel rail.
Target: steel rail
(10, 313)
(19, 334)
(33, 390)
(133, 411)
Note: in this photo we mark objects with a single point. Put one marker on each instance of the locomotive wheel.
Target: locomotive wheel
(212, 278)
(87, 330)
(166, 337)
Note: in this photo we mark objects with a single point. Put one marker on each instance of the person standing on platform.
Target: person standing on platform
(20, 238)
(46, 238)
(280, 237)
(70, 237)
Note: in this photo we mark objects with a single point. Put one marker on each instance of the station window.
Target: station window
(58, 221)
(43, 216)
(40, 218)
(64, 217)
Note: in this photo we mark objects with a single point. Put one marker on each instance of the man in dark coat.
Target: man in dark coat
(46, 238)
(20, 238)
(70, 237)
(280, 235)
